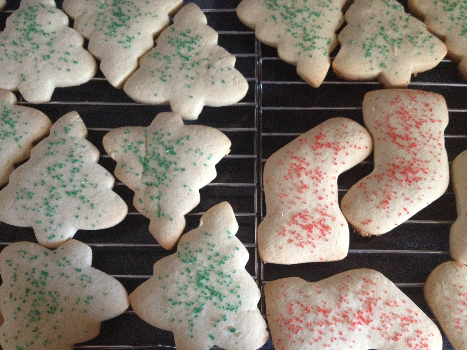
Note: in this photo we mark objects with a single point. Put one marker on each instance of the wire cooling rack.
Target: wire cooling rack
(279, 106)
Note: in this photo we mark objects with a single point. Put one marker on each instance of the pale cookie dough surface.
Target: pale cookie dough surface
(187, 68)
(358, 309)
(2, 4)
(304, 31)
(166, 164)
(61, 188)
(202, 292)
(446, 295)
(447, 19)
(20, 128)
(54, 299)
(382, 41)
(458, 234)
(120, 31)
(411, 165)
(303, 222)
(39, 52)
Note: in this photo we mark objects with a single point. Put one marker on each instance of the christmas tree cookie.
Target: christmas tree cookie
(120, 31)
(202, 292)
(447, 19)
(38, 52)
(54, 299)
(20, 128)
(61, 188)
(303, 222)
(358, 309)
(411, 164)
(166, 164)
(187, 68)
(304, 31)
(382, 41)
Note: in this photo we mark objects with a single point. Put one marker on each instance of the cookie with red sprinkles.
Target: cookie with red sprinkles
(446, 295)
(358, 309)
(303, 222)
(411, 167)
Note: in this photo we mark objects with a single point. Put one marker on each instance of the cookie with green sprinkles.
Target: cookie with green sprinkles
(202, 292)
(20, 128)
(381, 41)
(448, 20)
(39, 52)
(120, 31)
(166, 164)
(54, 299)
(187, 69)
(304, 31)
(61, 188)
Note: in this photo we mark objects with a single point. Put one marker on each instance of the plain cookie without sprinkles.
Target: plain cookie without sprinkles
(381, 41)
(304, 31)
(447, 19)
(38, 52)
(20, 128)
(411, 164)
(202, 292)
(61, 188)
(54, 299)
(458, 233)
(120, 31)
(358, 309)
(2, 4)
(187, 69)
(303, 222)
(166, 164)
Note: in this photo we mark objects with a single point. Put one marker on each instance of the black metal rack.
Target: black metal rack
(278, 107)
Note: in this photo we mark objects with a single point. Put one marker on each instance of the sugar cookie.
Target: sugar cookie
(303, 222)
(447, 20)
(458, 234)
(20, 128)
(120, 31)
(304, 31)
(382, 41)
(187, 68)
(54, 299)
(38, 52)
(411, 164)
(166, 164)
(61, 188)
(202, 292)
(446, 296)
(358, 309)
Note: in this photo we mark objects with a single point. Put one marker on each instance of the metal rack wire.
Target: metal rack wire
(279, 107)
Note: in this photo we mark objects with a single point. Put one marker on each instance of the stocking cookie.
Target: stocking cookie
(382, 41)
(187, 68)
(20, 128)
(358, 309)
(166, 164)
(202, 292)
(54, 299)
(411, 165)
(304, 31)
(61, 188)
(447, 20)
(38, 52)
(303, 222)
(446, 296)
(120, 31)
